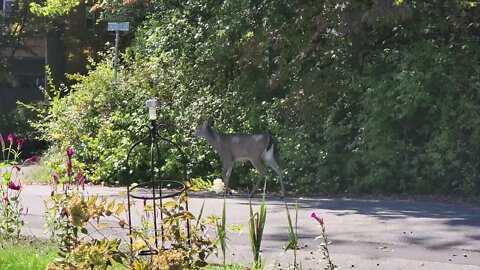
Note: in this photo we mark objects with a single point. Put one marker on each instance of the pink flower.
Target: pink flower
(14, 186)
(10, 138)
(6, 200)
(318, 218)
(20, 142)
(31, 159)
(248, 268)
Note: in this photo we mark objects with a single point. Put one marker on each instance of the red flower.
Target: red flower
(10, 138)
(20, 142)
(13, 186)
(319, 219)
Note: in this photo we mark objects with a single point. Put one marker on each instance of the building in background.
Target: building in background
(22, 59)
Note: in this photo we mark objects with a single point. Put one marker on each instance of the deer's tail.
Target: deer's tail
(269, 143)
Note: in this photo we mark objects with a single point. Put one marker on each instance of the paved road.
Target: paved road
(365, 234)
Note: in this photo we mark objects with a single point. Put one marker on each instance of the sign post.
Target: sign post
(117, 27)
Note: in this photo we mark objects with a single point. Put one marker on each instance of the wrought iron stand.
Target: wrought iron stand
(155, 183)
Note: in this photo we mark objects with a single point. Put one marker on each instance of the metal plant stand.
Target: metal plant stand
(155, 188)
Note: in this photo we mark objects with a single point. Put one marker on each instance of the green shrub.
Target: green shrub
(378, 105)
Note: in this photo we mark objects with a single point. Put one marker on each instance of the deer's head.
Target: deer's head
(203, 130)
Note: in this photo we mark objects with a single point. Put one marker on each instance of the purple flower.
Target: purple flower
(70, 152)
(318, 218)
(80, 179)
(10, 138)
(69, 161)
(14, 186)
(6, 200)
(20, 142)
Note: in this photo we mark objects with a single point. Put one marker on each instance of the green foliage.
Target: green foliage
(293, 243)
(362, 97)
(256, 227)
(53, 7)
(220, 225)
(68, 213)
(196, 249)
(11, 209)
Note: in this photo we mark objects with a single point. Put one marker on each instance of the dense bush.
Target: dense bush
(362, 97)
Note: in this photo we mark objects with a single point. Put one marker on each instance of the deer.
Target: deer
(233, 147)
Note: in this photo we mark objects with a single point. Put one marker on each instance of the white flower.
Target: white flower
(133, 185)
(218, 185)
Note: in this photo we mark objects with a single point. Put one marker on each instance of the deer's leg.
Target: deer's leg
(270, 160)
(227, 172)
(261, 169)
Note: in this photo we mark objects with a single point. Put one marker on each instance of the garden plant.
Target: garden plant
(11, 209)
(363, 97)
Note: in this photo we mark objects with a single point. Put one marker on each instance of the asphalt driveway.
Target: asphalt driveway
(365, 234)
